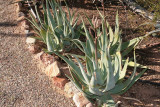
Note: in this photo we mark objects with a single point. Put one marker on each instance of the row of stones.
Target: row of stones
(53, 69)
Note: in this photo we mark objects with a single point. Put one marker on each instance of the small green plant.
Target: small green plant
(55, 29)
(152, 6)
(105, 66)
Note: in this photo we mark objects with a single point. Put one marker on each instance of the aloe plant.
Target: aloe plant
(105, 68)
(55, 29)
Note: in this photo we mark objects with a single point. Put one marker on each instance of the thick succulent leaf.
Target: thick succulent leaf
(80, 45)
(133, 81)
(110, 83)
(111, 36)
(114, 48)
(99, 78)
(45, 17)
(51, 22)
(79, 56)
(90, 22)
(79, 86)
(129, 49)
(117, 67)
(127, 82)
(83, 48)
(132, 42)
(74, 81)
(39, 19)
(82, 70)
(87, 94)
(33, 22)
(121, 86)
(124, 70)
(131, 64)
(71, 28)
(93, 81)
(95, 90)
(49, 42)
(88, 50)
(89, 66)
(89, 38)
(43, 35)
(72, 64)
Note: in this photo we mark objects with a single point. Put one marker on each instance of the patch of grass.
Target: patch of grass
(152, 6)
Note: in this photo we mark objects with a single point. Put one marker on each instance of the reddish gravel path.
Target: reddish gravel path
(21, 83)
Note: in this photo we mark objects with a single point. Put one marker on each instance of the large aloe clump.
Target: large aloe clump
(54, 28)
(105, 68)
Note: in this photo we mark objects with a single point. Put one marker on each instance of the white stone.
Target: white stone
(26, 31)
(53, 70)
(30, 40)
(89, 105)
(70, 89)
(38, 55)
(80, 100)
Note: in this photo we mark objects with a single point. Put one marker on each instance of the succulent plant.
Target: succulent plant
(105, 66)
(55, 29)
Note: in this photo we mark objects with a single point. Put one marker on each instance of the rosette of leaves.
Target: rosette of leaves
(54, 28)
(105, 66)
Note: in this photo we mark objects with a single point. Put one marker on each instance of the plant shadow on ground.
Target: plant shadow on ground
(7, 24)
(89, 5)
(10, 34)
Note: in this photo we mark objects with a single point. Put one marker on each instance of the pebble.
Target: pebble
(80, 100)
(70, 89)
(53, 70)
(30, 40)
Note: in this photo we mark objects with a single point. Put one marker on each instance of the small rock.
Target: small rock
(26, 31)
(53, 70)
(32, 49)
(29, 34)
(118, 104)
(65, 70)
(30, 40)
(20, 18)
(20, 14)
(89, 105)
(38, 55)
(47, 59)
(70, 89)
(19, 7)
(59, 82)
(26, 27)
(80, 100)
(23, 24)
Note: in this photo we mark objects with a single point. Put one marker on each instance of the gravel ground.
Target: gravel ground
(21, 83)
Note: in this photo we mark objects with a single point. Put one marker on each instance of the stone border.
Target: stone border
(53, 69)
(138, 9)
